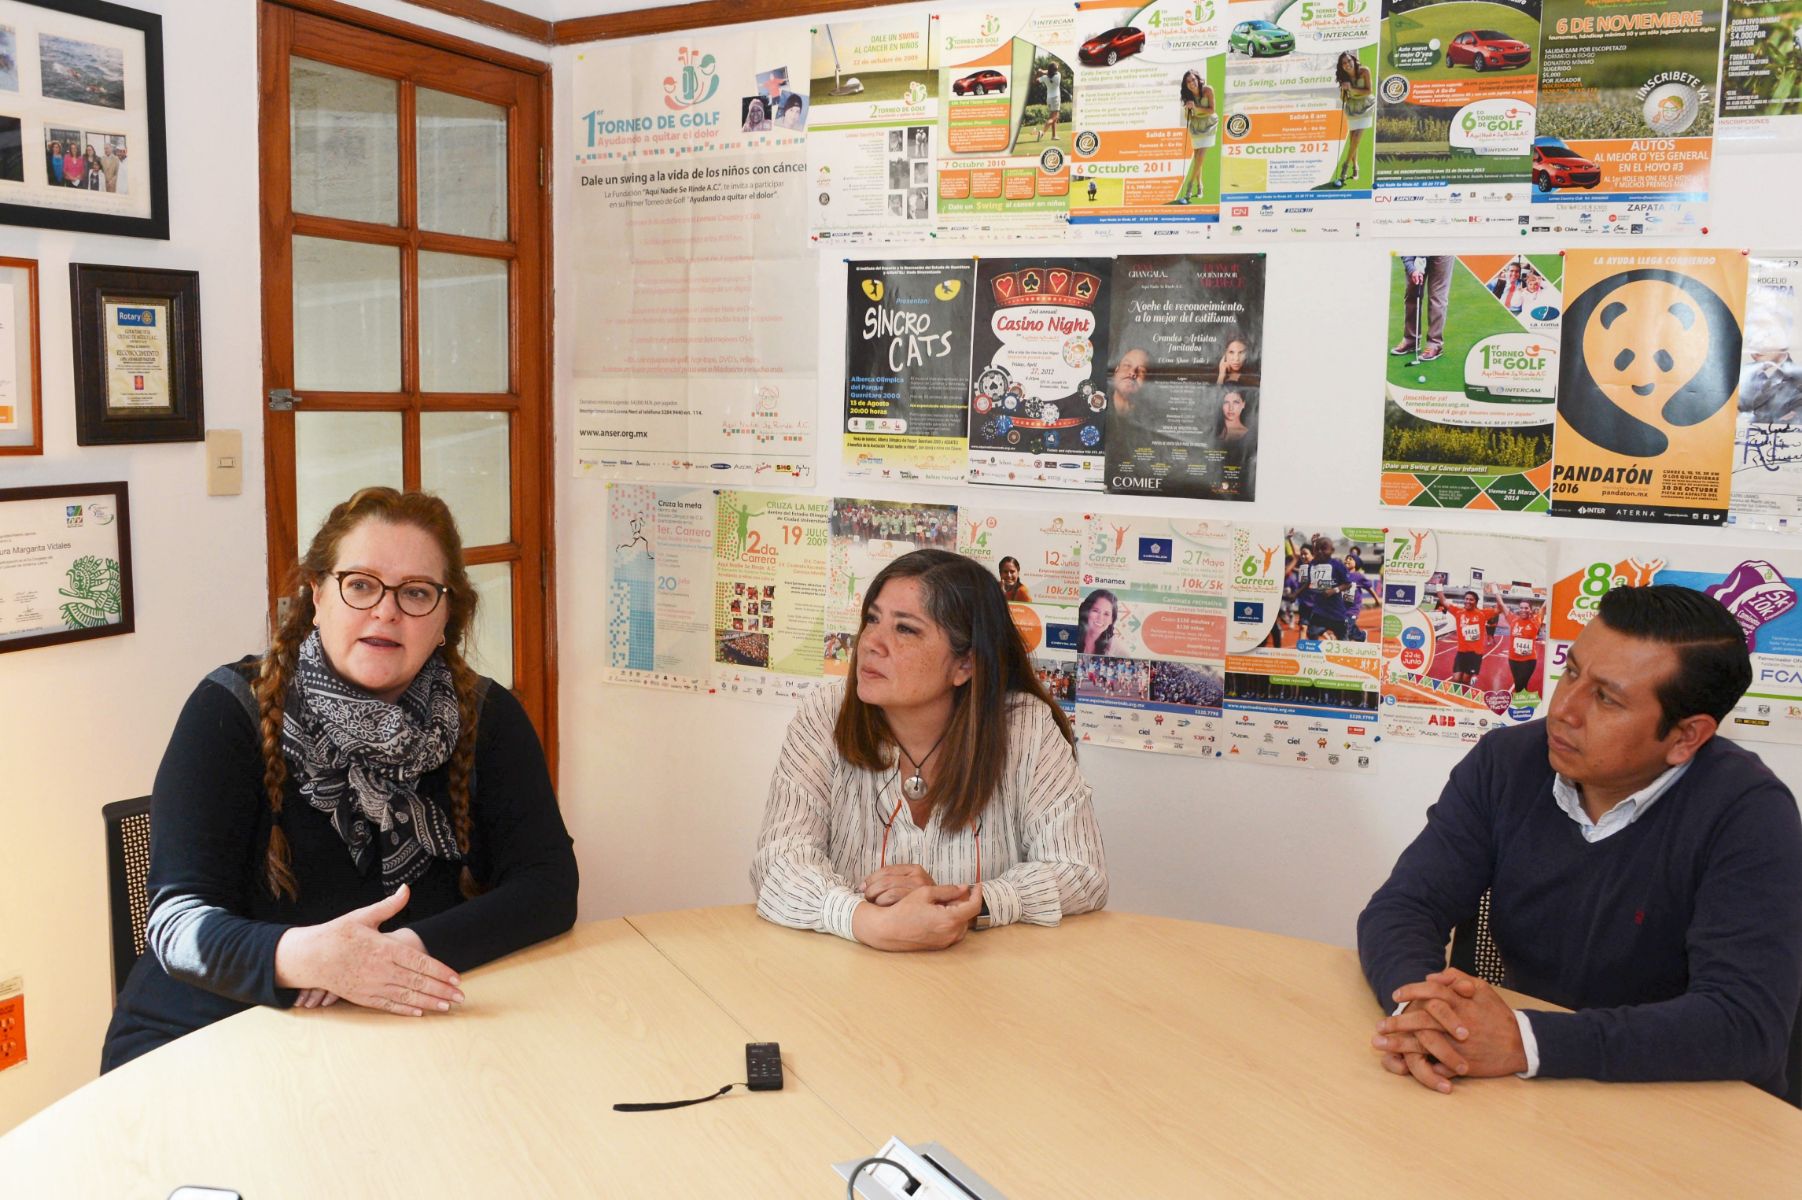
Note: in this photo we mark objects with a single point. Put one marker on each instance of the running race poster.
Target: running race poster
(1648, 371)
(1306, 694)
(1472, 354)
(1463, 632)
(1036, 557)
(1148, 109)
(1183, 411)
(1767, 442)
(1007, 84)
(1039, 388)
(1457, 85)
(1761, 75)
(907, 369)
(864, 537)
(874, 106)
(1300, 105)
(1625, 134)
(1151, 633)
(695, 358)
(659, 586)
(1758, 588)
(769, 593)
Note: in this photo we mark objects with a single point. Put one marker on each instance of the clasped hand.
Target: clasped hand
(907, 911)
(350, 957)
(1455, 1025)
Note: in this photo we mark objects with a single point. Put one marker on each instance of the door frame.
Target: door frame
(532, 457)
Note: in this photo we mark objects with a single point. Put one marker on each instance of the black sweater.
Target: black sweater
(214, 924)
(1678, 938)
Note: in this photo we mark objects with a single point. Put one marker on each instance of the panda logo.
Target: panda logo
(1655, 347)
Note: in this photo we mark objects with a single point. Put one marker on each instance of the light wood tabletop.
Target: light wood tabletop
(1130, 1056)
(510, 1096)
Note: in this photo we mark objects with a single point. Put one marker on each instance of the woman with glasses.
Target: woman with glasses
(354, 815)
(937, 789)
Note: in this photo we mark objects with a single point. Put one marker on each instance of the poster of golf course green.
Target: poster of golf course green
(873, 92)
(1456, 105)
(1625, 131)
(1472, 370)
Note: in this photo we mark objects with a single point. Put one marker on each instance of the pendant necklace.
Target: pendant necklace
(914, 786)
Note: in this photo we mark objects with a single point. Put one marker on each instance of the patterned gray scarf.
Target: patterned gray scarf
(359, 759)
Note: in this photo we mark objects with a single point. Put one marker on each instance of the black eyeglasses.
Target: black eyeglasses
(416, 597)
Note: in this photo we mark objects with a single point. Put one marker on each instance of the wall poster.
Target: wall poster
(659, 586)
(1037, 559)
(1648, 371)
(1761, 75)
(696, 358)
(1625, 134)
(1463, 632)
(1187, 342)
(874, 93)
(769, 593)
(863, 537)
(1767, 442)
(1472, 364)
(907, 369)
(1455, 107)
(1004, 155)
(1148, 113)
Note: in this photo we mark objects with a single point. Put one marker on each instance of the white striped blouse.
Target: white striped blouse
(824, 822)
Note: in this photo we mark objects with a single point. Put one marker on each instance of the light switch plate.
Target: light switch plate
(224, 462)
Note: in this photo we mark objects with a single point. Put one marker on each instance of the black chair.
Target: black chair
(1473, 950)
(127, 865)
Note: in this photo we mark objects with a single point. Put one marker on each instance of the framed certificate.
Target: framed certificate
(81, 130)
(65, 564)
(21, 403)
(137, 355)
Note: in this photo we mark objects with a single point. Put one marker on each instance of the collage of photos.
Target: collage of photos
(751, 610)
(910, 172)
(774, 105)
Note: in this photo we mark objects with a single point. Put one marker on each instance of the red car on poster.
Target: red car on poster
(1556, 165)
(1106, 49)
(980, 83)
(1487, 49)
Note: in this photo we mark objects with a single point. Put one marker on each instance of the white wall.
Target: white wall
(664, 792)
(85, 724)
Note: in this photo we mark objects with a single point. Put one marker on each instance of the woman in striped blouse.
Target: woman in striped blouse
(935, 790)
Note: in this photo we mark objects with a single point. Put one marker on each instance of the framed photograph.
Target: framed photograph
(65, 564)
(81, 118)
(21, 397)
(137, 355)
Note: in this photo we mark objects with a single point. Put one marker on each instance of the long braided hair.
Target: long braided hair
(422, 511)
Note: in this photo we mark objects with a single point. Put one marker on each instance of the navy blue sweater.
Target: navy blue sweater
(209, 836)
(1678, 939)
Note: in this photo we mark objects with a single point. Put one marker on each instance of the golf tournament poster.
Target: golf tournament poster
(1472, 354)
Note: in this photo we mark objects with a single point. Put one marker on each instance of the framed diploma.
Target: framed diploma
(21, 403)
(137, 355)
(81, 129)
(65, 564)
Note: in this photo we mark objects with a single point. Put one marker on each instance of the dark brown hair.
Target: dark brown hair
(421, 511)
(961, 599)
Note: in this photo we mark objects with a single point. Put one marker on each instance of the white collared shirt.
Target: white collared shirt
(1617, 818)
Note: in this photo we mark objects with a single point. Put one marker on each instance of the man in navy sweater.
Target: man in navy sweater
(1641, 871)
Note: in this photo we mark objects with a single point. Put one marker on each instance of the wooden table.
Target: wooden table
(1118, 1056)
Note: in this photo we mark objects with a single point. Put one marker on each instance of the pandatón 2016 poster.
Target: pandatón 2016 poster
(907, 369)
(1464, 619)
(1148, 113)
(1187, 339)
(874, 113)
(1039, 389)
(1757, 587)
(1003, 168)
(1761, 75)
(1648, 371)
(1036, 557)
(1306, 693)
(1297, 144)
(1625, 134)
(1455, 109)
(1151, 633)
(1472, 365)
(1767, 441)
